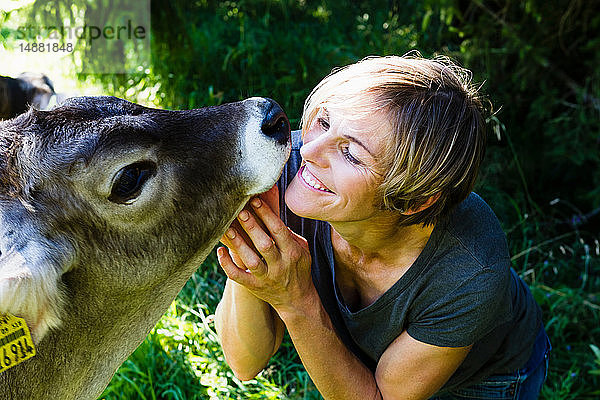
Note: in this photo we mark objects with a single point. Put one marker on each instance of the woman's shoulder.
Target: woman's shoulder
(475, 226)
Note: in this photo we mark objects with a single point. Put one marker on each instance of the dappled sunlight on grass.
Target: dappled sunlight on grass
(182, 358)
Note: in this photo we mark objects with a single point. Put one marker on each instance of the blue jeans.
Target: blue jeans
(523, 384)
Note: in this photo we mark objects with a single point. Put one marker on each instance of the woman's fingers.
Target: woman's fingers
(268, 259)
(279, 232)
(234, 256)
(246, 252)
(232, 270)
(239, 230)
(271, 197)
(261, 240)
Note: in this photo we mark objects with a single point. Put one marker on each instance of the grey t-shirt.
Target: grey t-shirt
(460, 291)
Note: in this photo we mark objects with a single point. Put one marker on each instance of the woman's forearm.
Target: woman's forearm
(249, 329)
(334, 369)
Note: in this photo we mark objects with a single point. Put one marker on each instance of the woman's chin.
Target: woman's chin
(300, 202)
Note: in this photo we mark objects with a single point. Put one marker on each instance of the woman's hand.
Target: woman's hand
(269, 260)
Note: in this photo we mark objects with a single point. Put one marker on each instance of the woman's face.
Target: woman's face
(339, 172)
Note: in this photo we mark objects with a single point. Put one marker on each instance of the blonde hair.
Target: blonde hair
(437, 140)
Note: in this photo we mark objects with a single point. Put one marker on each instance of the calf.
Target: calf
(106, 210)
(28, 89)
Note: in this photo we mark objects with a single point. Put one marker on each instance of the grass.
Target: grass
(561, 264)
(182, 359)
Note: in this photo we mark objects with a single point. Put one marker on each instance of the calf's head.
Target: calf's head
(117, 198)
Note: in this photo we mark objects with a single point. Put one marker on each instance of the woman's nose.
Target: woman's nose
(314, 150)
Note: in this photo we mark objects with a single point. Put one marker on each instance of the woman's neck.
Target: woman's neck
(379, 242)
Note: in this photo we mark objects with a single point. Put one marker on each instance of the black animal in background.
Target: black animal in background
(28, 89)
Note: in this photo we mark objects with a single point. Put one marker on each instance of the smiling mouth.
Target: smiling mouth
(311, 181)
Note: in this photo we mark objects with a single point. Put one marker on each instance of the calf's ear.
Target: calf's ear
(31, 268)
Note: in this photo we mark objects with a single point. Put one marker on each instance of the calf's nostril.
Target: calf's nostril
(280, 126)
(276, 124)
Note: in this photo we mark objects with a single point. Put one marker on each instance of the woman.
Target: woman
(391, 277)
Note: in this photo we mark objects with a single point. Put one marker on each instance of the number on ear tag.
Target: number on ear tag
(16, 345)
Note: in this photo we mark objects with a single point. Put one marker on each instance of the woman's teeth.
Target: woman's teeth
(307, 177)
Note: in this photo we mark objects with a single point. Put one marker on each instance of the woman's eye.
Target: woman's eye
(349, 157)
(323, 123)
(130, 180)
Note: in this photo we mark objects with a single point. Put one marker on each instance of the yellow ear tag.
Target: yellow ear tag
(16, 345)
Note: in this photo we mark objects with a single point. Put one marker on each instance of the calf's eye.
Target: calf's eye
(130, 180)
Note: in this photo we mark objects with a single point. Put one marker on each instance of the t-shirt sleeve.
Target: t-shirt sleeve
(468, 312)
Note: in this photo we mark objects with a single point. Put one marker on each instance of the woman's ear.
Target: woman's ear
(430, 201)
